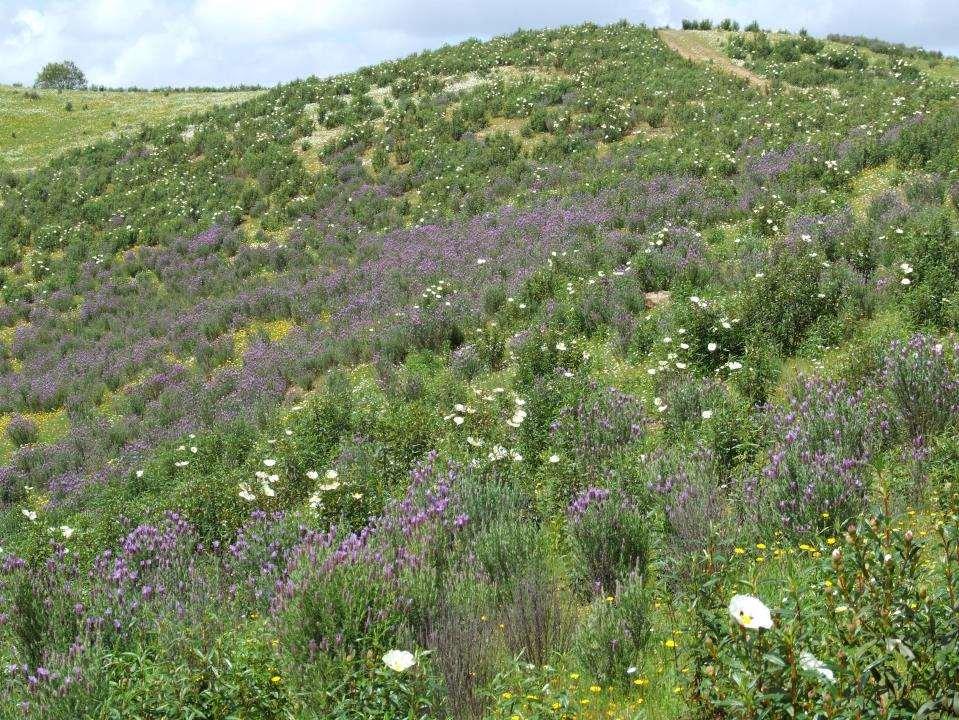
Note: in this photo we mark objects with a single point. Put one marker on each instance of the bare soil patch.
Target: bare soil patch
(692, 46)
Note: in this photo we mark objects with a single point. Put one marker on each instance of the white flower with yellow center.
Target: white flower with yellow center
(399, 660)
(750, 612)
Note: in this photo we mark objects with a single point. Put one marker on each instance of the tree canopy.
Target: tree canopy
(60, 76)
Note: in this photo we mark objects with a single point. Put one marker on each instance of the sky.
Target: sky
(157, 43)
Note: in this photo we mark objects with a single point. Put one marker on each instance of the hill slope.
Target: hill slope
(38, 126)
(541, 348)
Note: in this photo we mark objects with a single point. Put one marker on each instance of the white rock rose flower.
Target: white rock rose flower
(750, 612)
(810, 663)
(399, 660)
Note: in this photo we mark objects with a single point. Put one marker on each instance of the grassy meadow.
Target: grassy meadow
(38, 125)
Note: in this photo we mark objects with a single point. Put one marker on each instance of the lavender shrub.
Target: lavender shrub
(922, 378)
(609, 539)
(818, 470)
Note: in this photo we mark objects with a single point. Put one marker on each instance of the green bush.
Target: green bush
(22, 431)
(609, 539)
(613, 637)
(867, 624)
(781, 307)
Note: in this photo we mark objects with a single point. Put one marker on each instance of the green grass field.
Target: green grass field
(34, 131)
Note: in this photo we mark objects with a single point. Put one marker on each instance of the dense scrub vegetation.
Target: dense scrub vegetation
(504, 380)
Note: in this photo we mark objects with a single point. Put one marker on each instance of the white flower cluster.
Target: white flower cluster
(907, 270)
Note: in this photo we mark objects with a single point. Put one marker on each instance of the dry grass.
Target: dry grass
(511, 126)
(504, 73)
(868, 184)
(308, 148)
(695, 46)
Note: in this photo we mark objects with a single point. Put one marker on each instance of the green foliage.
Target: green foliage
(781, 307)
(337, 611)
(609, 538)
(487, 354)
(866, 633)
(614, 635)
(929, 241)
(60, 76)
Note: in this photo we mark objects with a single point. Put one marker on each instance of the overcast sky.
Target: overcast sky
(153, 43)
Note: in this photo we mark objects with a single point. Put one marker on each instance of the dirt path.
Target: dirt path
(692, 46)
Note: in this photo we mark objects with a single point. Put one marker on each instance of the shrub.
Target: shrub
(782, 306)
(760, 370)
(539, 617)
(694, 499)
(365, 688)
(609, 539)
(599, 431)
(880, 629)
(817, 474)
(921, 378)
(463, 653)
(40, 599)
(928, 245)
(504, 551)
(926, 189)
(22, 430)
(614, 634)
(705, 413)
(336, 610)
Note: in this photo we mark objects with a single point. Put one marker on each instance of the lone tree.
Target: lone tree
(60, 76)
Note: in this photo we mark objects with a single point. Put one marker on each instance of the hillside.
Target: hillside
(38, 125)
(548, 360)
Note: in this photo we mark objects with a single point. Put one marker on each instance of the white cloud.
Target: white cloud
(219, 42)
(32, 24)
(118, 17)
(256, 21)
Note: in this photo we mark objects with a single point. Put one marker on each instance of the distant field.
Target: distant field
(33, 131)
